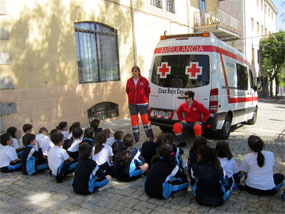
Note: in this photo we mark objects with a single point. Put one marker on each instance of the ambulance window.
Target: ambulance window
(251, 79)
(181, 71)
(242, 75)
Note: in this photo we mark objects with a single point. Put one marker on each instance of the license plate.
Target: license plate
(161, 114)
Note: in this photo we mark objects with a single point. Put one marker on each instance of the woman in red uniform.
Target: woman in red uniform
(138, 93)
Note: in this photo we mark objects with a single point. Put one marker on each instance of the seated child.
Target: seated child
(27, 129)
(102, 154)
(257, 167)
(129, 163)
(148, 149)
(165, 177)
(44, 140)
(209, 188)
(228, 163)
(89, 135)
(88, 176)
(9, 161)
(13, 131)
(110, 140)
(59, 161)
(74, 142)
(32, 157)
(67, 142)
(118, 141)
(63, 127)
(96, 125)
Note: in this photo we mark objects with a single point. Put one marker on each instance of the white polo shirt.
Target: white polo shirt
(56, 156)
(103, 156)
(110, 141)
(259, 177)
(15, 143)
(7, 154)
(74, 146)
(229, 166)
(45, 143)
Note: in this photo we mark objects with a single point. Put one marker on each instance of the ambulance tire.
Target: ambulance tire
(165, 129)
(226, 130)
(253, 119)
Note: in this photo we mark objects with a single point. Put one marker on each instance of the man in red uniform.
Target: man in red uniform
(192, 119)
(138, 93)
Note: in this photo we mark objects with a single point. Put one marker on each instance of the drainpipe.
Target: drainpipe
(134, 33)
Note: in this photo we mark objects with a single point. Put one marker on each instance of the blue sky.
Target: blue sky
(281, 9)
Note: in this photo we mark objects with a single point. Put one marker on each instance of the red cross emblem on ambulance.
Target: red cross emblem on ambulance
(193, 70)
(164, 70)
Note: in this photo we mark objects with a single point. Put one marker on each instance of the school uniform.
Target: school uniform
(192, 159)
(116, 146)
(110, 141)
(102, 158)
(45, 143)
(90, 141)
(131, 171)
(148, 150)
(58, 164)
(7, 155)
(231, 170)
(32, 160)
(98, 130)
(260, 180)
(163, 180)
(209, 188)
(65, 134)
(73, 149)
(15, 143)
(88, 177)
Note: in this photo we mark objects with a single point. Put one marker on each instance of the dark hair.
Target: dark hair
(62, 125)
(43, 129)
(73, 126)
(223, 150)
(165, 152)
(76, 133)
(136, 67)
(255, 143)
(84, 150)
(128, 140)
(100, 140)
(12, 131)
(28, 138)
(5, 138)
(125, 157)
(208, 155)
(159, 139)
(168, 139)
(190, 94)
(27, 127)
(89, 133)
(198, 141)
(118, 135)
(95, 124)
(107, 132)
(53, 131)
(56, 138)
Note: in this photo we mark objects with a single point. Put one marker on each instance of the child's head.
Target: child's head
(107, 132)
(256, 144)
(53, 131)
(84, 150)
(77, 133)
(73, 126)
(208, 155)
(118, 135)
(198, 141)
(125, 157)
(57, 139)
(95, 124)
(100, 139)
(166, 152)
(128, 140)
(12, 131)
(43, 131)
(29, 139)
(6, 139)
(27, 128)
(168, 139)
(62, 126)
(89, 133)
(159, 139)
(223, 150)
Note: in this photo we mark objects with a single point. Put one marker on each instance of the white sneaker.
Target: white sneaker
(107, 186)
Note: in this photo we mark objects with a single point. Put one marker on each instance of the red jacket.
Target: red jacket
(138, 94)
(193, 114)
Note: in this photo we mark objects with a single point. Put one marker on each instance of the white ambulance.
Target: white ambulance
(219, 75)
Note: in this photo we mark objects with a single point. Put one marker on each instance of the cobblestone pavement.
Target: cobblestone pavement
(40, 194)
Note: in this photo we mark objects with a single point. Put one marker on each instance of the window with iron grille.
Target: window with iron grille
(97, 52)
(103, 111)
(171, 6)
(156, 3)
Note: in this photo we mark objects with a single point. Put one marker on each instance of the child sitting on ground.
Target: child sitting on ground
(89, 136)
(148, 149)
(165, 177)
(129, 163)
(110, 140)
(13, 132)
(88, 176)
(96, 125)
(118, 141)
(32, 158)
(9, 161)
(44, 140)
(59, 161)
(257, 167)
(63, 127)
(27, 129)
(74, 142)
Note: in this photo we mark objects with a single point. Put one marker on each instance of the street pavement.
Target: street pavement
(40, 194)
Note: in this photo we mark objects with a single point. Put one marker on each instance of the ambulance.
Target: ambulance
(218, 74)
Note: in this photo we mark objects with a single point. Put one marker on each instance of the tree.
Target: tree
(272, 51)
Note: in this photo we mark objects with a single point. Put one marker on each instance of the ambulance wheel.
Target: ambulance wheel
(165, 129)
(253, 119)
(226, 130)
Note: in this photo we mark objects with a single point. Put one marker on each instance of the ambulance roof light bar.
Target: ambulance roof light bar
(179, 36)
